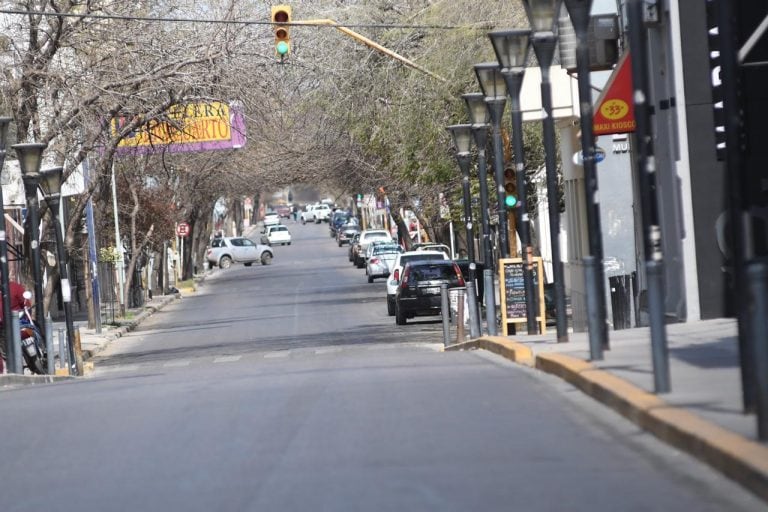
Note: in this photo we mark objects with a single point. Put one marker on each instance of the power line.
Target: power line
(231, 22)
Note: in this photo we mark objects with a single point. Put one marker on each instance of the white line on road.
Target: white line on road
(227, 359)
(175, 364)
(113, 369)
(274, 355)
(331, 350)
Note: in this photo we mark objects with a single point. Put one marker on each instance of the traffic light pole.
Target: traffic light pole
(496, 110)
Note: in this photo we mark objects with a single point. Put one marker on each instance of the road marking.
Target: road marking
(275, 355)
(114, 369)
(331, 350)
(227, 359)
(176, 364)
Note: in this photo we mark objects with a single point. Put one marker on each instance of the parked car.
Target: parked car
(284, 211)
(366, 237)
(433, 247)
(274, 235)
(380, 259)
(345, 233)
(354, 246)
(271, 219)
(397, 269)
(338, 218)
(308, 214)
(418, 292)
(228, 250)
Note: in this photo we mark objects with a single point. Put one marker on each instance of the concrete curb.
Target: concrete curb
(12, 379)
(738, 458)
(511, 350)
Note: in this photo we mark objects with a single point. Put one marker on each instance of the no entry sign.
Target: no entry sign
(182, 229)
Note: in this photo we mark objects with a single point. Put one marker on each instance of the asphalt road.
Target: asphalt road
(287, 387)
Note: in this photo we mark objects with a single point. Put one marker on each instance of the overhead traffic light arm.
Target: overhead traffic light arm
(371, 44)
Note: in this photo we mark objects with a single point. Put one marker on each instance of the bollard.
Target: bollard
(445, 313)
(78, 354)
(593, 317)
(460, 316)
(63, 360)
(18, 365)
(474, 318)
(49, 357)
(490, 303)
(757, 281)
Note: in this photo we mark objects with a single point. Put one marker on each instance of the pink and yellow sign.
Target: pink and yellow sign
(189, 127)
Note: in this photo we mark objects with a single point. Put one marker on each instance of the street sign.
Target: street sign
(182, 229)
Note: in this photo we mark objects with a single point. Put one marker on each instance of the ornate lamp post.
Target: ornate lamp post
(593, 264)
(478, 118)
(542, 15)
(512, 48)
(30, 157)
(495, 90)
(50, 185)
(5, 123)
(462, 140)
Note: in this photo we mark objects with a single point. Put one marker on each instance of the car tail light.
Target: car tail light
(375, 261)
(396, 275)
(459, 275)
(404, 281)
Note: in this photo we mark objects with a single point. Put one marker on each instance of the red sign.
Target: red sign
(615, 109)
(182, 229)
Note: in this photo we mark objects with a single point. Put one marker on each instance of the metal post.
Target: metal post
(460, 315)
(490, 303)
(757, 272)
(118, 246)
(18, 364)
(93, 259)
(64, 288)
(63, 360)
(595, 277)
(464, 162)
(646, 166)
(481, 140)
(445, 314)
(544, 47)
(474, 318)
(514, 85)
(5, 289)
(31, 182)
(48, 326)
(496, 110)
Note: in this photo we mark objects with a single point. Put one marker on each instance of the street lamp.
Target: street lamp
(542, 15)
(478, 118)
(512, 48)
(30, 156)
(462, 141)
(50, 185)
(593, 264)
(5, 287)
(495, 90)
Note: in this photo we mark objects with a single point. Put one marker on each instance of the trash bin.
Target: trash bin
(621, 301)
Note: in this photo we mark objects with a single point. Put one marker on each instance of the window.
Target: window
(434, 272)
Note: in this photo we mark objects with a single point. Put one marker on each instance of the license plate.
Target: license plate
(432, 290)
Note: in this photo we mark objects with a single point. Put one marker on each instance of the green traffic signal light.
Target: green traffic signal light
(510, 201)
(282, 48)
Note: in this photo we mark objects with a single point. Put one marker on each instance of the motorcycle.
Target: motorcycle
(32, 343)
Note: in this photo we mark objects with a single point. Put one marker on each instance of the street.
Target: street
(287, 387)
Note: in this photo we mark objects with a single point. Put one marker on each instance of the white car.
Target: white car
(379, 259)
(308, 215)
(366, 237)
(397, 269)
(322, 213)
(277, 235)
(271, 219)
(223, 252)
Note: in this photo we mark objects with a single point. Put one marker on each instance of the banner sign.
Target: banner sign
(183, 128)
(615, 110)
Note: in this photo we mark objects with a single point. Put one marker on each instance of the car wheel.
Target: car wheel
(225, 262)
(390, 306)
(266, 258)
(289, 243)
(370, 279)
(399, 316)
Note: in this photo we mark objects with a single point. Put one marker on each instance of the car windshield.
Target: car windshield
(377, 234)
(413, 257)
(387, 249)
(280, 228)
(433, 272)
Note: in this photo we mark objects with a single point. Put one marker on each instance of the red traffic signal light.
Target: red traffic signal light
(510, 188)
(281, 17)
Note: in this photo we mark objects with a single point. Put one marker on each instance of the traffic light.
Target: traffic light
(510, 188)
(281, 16)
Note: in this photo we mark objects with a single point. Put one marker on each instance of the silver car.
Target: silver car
(380, 260)
(225, 251)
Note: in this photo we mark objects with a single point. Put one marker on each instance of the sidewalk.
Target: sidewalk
(702, 415)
